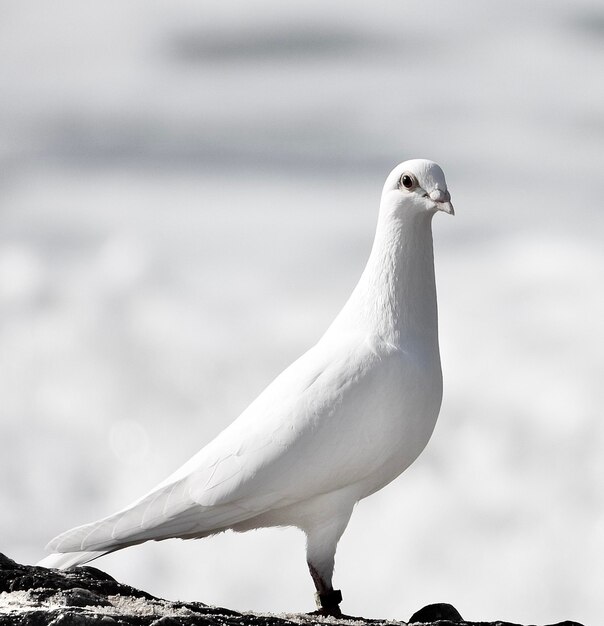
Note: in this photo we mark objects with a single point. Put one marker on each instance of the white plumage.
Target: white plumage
(341, 422)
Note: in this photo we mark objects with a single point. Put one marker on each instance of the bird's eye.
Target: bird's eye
(408, 181)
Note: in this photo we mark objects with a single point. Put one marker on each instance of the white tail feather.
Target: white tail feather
(69, 559)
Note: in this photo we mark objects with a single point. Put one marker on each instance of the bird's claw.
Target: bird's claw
(328, 603)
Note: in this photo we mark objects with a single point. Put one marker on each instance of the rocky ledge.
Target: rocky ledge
(36, 596)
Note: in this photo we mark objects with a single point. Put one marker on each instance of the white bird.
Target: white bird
(340, 423)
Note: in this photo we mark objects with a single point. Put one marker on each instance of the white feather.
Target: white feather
(68, 559)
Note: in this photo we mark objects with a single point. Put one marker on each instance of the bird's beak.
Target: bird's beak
(443, 201)
(447, 207)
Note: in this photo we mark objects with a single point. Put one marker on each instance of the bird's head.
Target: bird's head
(417, 186)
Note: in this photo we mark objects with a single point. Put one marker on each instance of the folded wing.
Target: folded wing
(259, 463)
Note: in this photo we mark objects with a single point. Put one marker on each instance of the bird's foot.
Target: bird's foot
(328, 603)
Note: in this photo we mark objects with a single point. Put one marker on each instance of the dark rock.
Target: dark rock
(436, 612)
(87, 596)
(96, 573)
(16, 577)
(83, 597)
(166, 621)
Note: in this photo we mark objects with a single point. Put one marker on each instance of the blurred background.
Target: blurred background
(188, 193)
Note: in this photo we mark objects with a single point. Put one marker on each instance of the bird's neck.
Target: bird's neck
(395, 298)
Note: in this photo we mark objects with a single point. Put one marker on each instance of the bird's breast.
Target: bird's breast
(405, 413)
(380, 419)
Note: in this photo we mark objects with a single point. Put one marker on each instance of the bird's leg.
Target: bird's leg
(321, 542)
(328, 599)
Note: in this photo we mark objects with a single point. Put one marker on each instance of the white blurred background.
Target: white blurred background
(188, 193)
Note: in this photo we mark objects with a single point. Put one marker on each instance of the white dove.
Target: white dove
(340, 423)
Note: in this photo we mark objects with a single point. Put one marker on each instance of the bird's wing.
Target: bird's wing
(305, 433)
(291, 443)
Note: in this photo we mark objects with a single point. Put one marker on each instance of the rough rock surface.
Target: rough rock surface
(36, 596)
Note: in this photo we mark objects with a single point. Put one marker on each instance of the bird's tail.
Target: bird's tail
(166, 512)
(69, 559)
